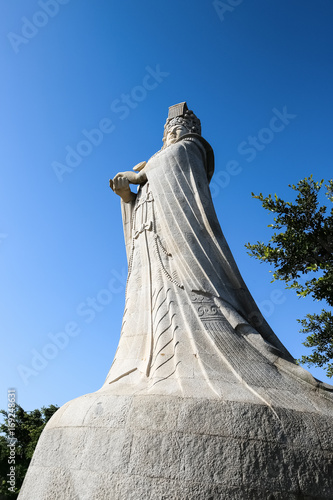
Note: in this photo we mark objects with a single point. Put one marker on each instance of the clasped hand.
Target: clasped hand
(120, 184)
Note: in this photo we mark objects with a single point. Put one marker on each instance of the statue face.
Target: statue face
(175, 133)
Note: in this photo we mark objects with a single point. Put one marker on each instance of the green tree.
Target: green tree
(27, 429)
(301, 251)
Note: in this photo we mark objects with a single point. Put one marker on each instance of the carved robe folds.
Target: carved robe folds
(190, 325)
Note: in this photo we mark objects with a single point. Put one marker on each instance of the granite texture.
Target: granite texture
(103, 446)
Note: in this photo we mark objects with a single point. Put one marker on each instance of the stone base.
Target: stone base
(107, 447)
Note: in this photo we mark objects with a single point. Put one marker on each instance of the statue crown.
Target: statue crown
(179, 114)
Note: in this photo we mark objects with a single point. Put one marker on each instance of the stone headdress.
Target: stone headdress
(179, 114)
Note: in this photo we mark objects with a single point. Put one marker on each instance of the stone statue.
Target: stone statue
(190, 322)
(202, 399)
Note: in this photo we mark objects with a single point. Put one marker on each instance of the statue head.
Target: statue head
(180, 121)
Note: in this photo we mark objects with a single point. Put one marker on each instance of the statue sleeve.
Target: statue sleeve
(127, 216)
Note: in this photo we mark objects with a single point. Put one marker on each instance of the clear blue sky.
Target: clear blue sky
(118, 66)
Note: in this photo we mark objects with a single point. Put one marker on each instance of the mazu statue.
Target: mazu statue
(202, 400)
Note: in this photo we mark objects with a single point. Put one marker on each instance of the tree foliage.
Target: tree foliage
(28, 427)
(301, 251)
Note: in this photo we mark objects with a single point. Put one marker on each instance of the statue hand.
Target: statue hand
(120, 185)
(132, 177)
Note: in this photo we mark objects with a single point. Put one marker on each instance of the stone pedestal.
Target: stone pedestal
(104, 446)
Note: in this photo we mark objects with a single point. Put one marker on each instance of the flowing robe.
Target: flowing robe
(190, 324)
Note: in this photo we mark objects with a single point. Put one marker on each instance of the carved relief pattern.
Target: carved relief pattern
(250, 365)
(165, 343)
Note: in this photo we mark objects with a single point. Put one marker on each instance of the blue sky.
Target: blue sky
(84, 93)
